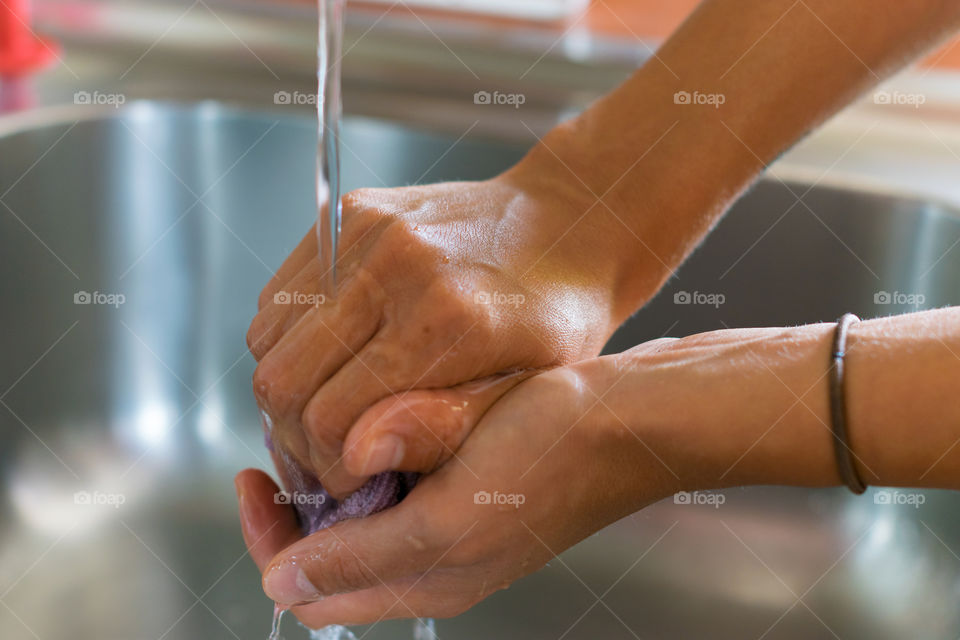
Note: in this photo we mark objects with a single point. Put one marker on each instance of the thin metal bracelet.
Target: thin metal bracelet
(838, 408)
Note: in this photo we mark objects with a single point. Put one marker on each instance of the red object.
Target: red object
(21, 50)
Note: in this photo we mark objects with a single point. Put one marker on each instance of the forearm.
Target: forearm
(903, 376)
(779, 68)
(751, 406)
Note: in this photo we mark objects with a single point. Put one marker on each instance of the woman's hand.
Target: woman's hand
(560, 456)
(463, 288)
(547, 466)
(567, 244)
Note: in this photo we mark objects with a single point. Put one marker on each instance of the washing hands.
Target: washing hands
(520, 489)
(449, 295)
(463, 336)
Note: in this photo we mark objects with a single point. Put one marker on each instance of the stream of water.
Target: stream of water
(329, 46)
(329, 217)
(423, 629)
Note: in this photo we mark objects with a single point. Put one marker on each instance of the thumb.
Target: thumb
(420, 430)
(267, 525)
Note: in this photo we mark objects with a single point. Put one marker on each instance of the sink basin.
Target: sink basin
(123, 420)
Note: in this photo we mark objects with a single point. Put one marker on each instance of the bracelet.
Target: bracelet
(838, 409)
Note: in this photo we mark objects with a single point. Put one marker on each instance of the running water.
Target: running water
(333, 632)
(423, 629)
(329, 42)
(278, 614)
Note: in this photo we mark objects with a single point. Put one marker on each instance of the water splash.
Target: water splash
(278, 613)
(424, 629)
(333, 632)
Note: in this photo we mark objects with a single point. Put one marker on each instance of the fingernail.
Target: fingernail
(286, 583)
(385, 453)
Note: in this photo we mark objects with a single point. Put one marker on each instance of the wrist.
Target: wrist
(655, 184)
(728, 408)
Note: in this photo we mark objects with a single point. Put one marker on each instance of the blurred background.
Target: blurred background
(156, 166)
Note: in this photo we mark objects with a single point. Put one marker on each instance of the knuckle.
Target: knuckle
(325, 440)
(358, 199)
(266, 294)
(257, 338)
(399, 239)
(269, 388)
(452, 311)
(387, 372)
(457, 310)
(263, 380)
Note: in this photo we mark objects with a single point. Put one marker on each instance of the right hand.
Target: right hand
(449, 295)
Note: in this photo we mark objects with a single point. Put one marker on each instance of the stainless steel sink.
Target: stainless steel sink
(124, 420)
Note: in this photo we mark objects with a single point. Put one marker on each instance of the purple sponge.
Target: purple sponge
(316, 509)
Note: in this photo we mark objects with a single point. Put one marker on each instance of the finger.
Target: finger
(290, 302)
(328, 415)
(350, 556)
(297, 286)
(420, 430)
(267, 527)
(303, 253)
(310, 353)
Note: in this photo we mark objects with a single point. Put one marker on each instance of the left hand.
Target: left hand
(568, 452)
(443, 549)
